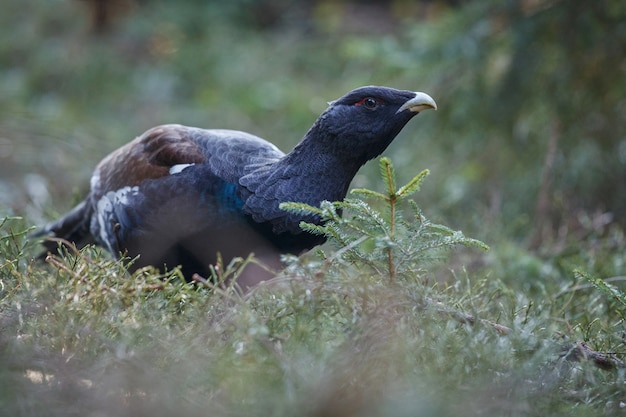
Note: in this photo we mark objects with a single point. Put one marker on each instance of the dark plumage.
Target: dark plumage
(178, 195)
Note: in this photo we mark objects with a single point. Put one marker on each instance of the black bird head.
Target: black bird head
(360, 125)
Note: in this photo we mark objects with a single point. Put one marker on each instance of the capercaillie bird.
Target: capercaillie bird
(178, 195)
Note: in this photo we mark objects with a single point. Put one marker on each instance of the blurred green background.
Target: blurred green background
(527, 152)
(528, 145)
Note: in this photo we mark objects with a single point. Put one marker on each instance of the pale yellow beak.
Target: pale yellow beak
(421, 101)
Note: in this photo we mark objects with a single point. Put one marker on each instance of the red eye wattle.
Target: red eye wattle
(368, 102)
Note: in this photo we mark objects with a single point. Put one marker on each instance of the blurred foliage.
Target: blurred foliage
(521, 76)
(328, 336)
(530, 135)
(527, 151)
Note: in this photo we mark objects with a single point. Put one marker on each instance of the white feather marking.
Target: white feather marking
(175, 169)
(105, 208)
(95, 181)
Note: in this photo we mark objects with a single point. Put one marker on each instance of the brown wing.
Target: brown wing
(169, 145)
(150, 155)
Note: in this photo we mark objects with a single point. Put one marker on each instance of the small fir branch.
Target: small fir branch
(414, 185)
(387, 172)
(369, 194)
(604, 287)
(383, 239)
(301, 208)
(367, 214)
(313, 228)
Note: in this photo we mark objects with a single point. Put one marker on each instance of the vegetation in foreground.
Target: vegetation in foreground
(370, 328)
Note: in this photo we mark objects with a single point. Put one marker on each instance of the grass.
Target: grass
(331, 335)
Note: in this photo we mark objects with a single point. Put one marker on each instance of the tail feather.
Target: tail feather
(72, 227)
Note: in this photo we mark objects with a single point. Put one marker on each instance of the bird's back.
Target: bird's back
(173, 195)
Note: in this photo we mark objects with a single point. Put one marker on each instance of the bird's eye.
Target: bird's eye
(368, 102)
